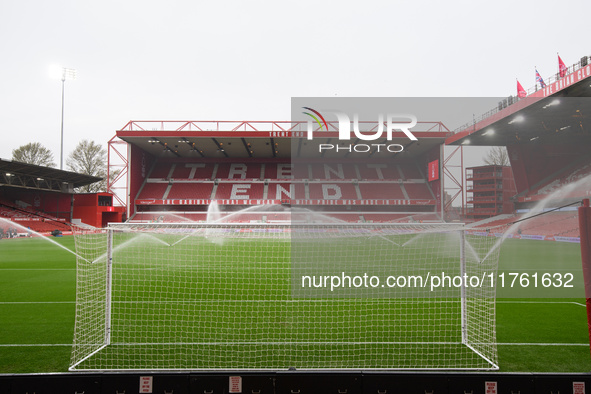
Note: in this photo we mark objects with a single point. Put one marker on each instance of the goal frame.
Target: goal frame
(114, 227)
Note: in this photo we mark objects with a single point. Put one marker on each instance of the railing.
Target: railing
(260, 126)
(483, 211)
(484, 188)
(484, 175)
(487, 199)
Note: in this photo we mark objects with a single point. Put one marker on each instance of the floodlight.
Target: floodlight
(63, 74)
(516, 119)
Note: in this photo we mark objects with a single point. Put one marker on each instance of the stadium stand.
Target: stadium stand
(186, 190)
(28, 217)
(332, 191)
(417, 191)
(164, 216)
(153, 190)
(379, 171)
(170, 182)
(552, 224)
(284, 170)
(238, 171)
(239, 190)
(285, 190)
(162, 170)
(381, 191)
(47, 199)
(411, 171)
(567, 177)
(499, 220)
(333, 171)
(192, 171)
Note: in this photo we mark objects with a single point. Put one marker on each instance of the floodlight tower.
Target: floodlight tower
(63, 73)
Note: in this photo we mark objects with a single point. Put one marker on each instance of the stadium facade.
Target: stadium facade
(177, 168)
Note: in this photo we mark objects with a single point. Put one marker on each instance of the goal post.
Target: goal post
(190, 296)
(109, 287)
(463, 306)
(92, 300)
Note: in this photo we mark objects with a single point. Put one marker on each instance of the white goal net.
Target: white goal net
(274, 296)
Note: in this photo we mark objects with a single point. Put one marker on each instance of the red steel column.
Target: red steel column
(585, 232)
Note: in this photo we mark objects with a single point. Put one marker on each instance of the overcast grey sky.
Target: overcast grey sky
(231, 60)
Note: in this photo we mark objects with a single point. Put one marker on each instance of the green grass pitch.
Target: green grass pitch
(37, 306)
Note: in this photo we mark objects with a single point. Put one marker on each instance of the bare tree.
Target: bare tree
(89, 158)
(33, 153)
(497, 156)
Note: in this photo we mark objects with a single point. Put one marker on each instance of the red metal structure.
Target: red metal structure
(117, 167)
(96, 209)
(158, 153)
(585, 229)
(453, 183)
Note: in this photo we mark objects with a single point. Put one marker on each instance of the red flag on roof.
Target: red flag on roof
(520, 91)
(561, 67)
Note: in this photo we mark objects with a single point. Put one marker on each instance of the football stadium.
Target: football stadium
(339, 251)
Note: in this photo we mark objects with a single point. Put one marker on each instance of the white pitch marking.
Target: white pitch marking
(541, 344)
(34, 344)
(540, 302)
(290, 343)
(37, 269)
(36, 302)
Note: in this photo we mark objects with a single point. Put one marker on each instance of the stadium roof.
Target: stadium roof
(17, 174)
(261, 140)
(557, 114)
